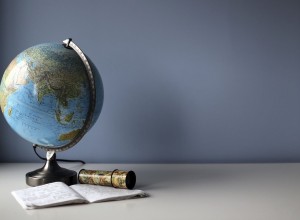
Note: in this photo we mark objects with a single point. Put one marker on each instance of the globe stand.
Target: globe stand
(51, 172)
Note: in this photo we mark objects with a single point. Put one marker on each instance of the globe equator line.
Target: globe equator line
(36, 109)
(70, 45)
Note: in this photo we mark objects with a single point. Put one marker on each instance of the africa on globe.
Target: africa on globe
(45, 94)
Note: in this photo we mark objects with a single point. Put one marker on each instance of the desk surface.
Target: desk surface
(191, 191)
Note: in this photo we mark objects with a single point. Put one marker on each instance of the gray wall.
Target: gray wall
(185, 81)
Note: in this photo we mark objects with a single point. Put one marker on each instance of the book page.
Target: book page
(93, 193)
(52, 194)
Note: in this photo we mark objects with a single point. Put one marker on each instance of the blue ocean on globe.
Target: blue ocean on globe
(45, 94)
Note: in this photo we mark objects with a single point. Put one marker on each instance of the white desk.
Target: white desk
(216, 191)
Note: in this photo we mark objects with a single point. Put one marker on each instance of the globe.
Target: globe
(51, 94)
(45, 93)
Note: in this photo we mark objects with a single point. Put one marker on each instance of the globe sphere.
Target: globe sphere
(45, 94)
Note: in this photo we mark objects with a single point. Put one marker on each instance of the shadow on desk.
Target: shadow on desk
(181, 176)
(168, 176)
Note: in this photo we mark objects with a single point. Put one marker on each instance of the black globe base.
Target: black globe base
(51, 172)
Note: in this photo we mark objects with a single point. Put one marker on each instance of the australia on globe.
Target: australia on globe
(45, 94)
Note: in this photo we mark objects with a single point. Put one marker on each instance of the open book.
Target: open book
(58, 193)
